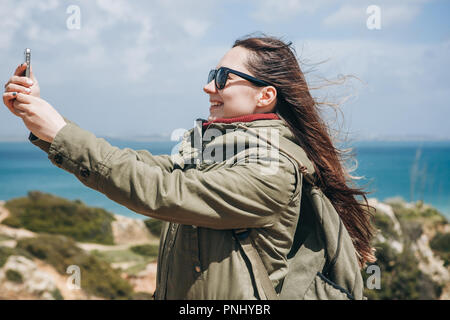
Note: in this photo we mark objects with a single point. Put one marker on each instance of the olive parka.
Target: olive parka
(222, 178)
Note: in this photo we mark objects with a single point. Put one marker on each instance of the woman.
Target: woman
(257, 91)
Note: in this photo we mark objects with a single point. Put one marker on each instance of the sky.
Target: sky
(133, 69)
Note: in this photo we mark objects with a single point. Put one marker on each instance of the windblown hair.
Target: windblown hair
(272, 60)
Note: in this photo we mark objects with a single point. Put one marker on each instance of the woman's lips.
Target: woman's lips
(215, 107)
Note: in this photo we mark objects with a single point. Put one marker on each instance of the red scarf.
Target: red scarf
(245, 118)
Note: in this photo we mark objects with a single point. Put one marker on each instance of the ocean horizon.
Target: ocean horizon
(411, 170)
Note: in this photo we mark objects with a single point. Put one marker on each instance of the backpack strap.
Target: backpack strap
(263, 283)
(331, 262)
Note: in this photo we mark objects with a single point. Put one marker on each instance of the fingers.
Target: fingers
(20, 69)
(8, 100)
(23, 81)
(16, 88)
(20, 107)
(24, 98)
(32, 74)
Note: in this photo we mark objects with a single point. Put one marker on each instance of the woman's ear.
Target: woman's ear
(267, 97)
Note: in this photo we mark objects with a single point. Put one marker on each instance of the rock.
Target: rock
(35, 282)
(8, 243)
(16, 233)
(386, 209)
(144, 281)
(429, 263)
(130, 231)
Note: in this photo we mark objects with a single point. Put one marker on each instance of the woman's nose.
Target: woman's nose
(210, 87)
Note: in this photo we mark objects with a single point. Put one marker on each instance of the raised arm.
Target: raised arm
(163, 161)
(233, 197)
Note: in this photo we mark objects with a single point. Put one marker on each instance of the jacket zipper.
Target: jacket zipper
(166, 256)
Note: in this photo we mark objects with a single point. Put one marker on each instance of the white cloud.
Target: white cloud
(114, 33)
(347, 15)
(276, 10)
(401, 81)
(195, 28)
(356, 15)
(128, 57)
(374, 59)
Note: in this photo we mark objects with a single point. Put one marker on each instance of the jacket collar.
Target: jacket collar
(245, 118)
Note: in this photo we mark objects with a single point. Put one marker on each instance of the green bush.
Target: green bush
(5, 237)
(14, 276)
(420, 213)
(56, 294)
(154, 226)
(412, 230)
(97, 276)
(441, 246)
(385, 225)
(40, 212)
(147, 250)
(400, 277)
(142, 296)
(5, 252)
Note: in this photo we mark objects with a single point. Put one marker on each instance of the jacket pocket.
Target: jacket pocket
(323, 288)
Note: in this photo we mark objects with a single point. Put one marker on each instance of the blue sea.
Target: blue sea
(411, 170)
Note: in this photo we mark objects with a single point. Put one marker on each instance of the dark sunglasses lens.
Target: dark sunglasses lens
(221, 78)
(211, 76)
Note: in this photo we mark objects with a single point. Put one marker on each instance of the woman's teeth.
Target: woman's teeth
(216, 104)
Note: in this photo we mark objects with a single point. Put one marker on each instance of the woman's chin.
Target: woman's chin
(213, 116)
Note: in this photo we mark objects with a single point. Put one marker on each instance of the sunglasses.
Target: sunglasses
(220, 77)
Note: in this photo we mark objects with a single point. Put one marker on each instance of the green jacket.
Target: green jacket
(215, 184)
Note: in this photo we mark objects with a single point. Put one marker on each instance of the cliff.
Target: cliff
(42, 235)
(412, 249)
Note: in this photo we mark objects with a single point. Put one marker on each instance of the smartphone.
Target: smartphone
(27, 54)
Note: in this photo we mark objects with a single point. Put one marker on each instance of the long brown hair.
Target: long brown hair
(272, 60)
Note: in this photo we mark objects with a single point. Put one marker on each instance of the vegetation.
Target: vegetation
(154, 226)
(14, 276)
(142, 296)
(41, 212)
(147, 250)
(97, 277)
(426, 215)
(56, 294)
(5, 252)
(138, 257)
(61, 222)
(441, 245)
(383, 222)
(401, 277)
(115, 256)
(4, 237)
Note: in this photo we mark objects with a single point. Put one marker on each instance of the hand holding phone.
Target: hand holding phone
(22, 81)
(27, 54)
